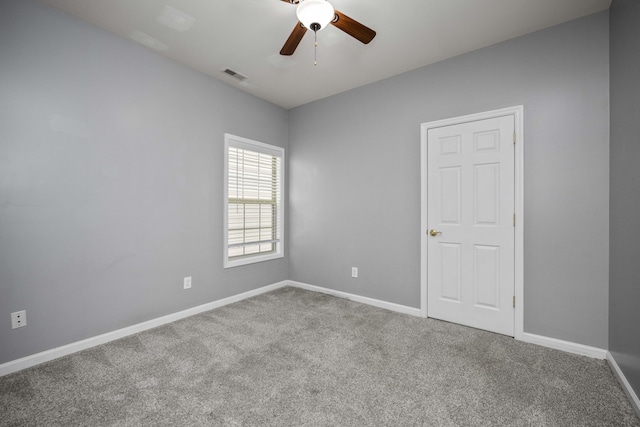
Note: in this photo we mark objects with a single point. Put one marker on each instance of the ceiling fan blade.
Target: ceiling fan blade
(354, 28)
(294, 39)
(292, 2)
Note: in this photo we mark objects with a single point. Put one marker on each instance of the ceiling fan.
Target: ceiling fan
(316, 15)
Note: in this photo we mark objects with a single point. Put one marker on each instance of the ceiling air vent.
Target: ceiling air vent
(235, 74)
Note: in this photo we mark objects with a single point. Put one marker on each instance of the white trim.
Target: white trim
(519, 232)
(518, 113)
(357, 298)
(45, 356)
(424, 225)
(626, 386)
(568, 346)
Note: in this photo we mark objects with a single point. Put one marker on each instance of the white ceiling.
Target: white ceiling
(247, 35)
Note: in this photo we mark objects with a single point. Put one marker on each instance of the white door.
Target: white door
(470, 216)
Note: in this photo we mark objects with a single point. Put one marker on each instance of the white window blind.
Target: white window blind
(253, 226)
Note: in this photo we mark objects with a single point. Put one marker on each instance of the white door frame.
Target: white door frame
(518, 113)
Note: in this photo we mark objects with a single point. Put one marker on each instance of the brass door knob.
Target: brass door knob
(434, 232)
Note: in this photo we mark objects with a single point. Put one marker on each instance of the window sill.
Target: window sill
(251, 260)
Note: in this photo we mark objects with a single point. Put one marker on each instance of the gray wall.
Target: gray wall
(111, 178)
(624, 278)
(355, 175)
(111, 171)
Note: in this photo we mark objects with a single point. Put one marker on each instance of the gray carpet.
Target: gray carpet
(299, 358)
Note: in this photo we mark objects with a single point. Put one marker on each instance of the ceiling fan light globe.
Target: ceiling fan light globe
(318, 12)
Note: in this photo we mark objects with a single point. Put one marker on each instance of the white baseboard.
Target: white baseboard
(568, 346)
(45, 356)
(626, 386)
(357, 298)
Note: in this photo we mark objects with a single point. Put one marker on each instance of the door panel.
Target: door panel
(450, 268)
(486, 276)
(470, 261)
(486, 194)
(450, 190)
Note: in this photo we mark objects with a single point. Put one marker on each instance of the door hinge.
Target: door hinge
(514, 301)
(514, 137)
(514, 220)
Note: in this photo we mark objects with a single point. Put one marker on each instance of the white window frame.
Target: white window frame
(259, 147)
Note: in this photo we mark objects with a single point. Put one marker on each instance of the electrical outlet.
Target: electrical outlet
(187, 283)
(19, 319)
(354, 272)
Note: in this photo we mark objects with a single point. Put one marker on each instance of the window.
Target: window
(253, 201)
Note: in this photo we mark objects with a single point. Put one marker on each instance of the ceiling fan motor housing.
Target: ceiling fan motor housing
(315, 14)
